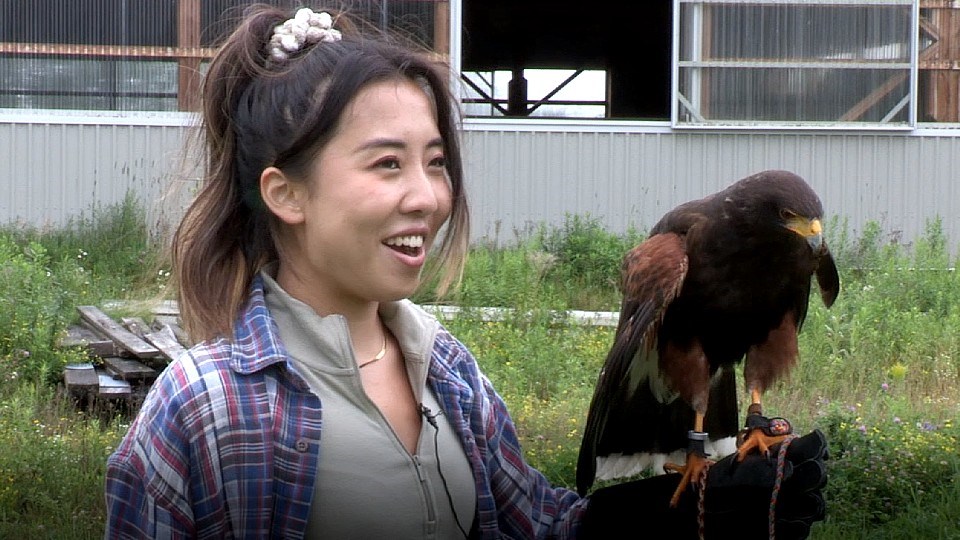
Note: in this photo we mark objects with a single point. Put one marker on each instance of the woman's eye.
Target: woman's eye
(389, 163)
(439, 162)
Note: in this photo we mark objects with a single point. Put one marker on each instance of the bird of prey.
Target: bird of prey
(718, 280)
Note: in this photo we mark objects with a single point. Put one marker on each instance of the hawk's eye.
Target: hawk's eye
(786, 214)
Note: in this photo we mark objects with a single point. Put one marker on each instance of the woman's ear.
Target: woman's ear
(284, 197)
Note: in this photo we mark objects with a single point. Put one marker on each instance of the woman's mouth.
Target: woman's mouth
(408, 245)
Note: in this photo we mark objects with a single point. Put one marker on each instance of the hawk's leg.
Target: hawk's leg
(697, 461)
(760, 432)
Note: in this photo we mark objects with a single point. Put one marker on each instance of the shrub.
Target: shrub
(884, 465)
(52, 466)
(39, 294)
(587, 260)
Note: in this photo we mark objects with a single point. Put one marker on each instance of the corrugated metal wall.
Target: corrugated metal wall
(53, 171)
(630, 177)
(524, 173)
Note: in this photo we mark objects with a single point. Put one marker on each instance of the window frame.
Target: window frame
(678, 100)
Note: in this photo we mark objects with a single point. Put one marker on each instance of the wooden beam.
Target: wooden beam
(85, 338)
(166, 340)
(878, 93)
(110, 387)
(120, 335)
(441, 28)
(940, 64)
(168, 323)
(80, 379)
(188, 68)
(126, 51)
(873, 98)
(940, 4)
(136, 325)
(128, 370)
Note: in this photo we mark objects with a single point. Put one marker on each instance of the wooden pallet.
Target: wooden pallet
(125, 356)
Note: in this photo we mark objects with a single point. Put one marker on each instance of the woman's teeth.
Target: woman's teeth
(406, 241)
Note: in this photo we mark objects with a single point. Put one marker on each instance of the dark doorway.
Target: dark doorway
(630, 40)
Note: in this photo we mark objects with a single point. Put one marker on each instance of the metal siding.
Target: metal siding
(519, 179)
(57, 172)
(631, 178)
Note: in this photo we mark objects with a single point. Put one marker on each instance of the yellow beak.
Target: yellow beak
(810, 229)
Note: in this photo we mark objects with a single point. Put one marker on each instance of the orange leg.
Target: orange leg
(696, 465)
(756, 439)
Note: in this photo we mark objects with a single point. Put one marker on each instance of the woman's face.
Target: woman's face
(378, 194)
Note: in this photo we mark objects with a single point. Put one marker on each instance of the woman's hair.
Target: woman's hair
(260, 112)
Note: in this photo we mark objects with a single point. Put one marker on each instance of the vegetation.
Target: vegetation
(880, 371)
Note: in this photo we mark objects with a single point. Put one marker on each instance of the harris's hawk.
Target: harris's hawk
(719, 280)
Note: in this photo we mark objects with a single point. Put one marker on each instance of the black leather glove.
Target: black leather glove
(736, 503)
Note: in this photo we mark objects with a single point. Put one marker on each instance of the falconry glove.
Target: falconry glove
(737, 502)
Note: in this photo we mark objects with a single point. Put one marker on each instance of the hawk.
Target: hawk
(718, 281)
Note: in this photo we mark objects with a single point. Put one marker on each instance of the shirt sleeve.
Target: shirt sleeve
(147, 474)
(518, 497)
(528, 505)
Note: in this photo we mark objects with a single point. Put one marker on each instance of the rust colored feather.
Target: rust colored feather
(652, 274)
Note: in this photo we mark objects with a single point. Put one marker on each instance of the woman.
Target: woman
(318, 401)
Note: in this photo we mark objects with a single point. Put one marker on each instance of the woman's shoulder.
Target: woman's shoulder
(194, 365)
(198, 381)
(212, 363)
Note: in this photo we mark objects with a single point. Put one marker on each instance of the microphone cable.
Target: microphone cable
(432, 419)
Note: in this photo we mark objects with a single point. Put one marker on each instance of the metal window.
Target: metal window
(802, 63)
(148, 55)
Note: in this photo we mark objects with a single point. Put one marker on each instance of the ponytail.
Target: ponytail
(223, 240)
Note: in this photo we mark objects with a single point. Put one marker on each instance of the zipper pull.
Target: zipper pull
(420, 475)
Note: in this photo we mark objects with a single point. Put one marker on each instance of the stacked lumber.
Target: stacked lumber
(125, 355)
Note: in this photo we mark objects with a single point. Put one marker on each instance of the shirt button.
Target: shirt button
(302, 445)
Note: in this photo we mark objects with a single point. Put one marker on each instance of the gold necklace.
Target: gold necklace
(380, 355)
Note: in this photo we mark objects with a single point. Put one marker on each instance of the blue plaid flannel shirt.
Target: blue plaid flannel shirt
(226, 445)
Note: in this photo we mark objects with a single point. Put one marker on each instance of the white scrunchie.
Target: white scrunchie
(306, 27)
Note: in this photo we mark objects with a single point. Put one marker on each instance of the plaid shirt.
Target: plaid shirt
(226, 445)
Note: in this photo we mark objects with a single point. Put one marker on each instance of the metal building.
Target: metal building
(571, 108)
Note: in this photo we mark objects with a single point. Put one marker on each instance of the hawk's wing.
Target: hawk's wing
(652, 276)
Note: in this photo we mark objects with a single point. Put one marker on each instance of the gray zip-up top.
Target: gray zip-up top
(368, 485)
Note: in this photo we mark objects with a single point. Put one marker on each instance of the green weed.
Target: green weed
(879, 371)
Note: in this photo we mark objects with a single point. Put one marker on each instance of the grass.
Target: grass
(879, 373)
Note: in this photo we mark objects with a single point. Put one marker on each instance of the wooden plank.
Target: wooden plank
(167, 307)
(81, 379)
(939, 4)
(136, 325)
(83, 337)
(162, 321)
(127, 369)
(165, 340)
(123, 337)
(110, 387)
(441, 29)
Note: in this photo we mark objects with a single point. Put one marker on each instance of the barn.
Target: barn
(618, 112)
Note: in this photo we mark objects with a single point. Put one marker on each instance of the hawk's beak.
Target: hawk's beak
(810, 229)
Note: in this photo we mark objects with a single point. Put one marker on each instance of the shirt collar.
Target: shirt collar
(256, 342)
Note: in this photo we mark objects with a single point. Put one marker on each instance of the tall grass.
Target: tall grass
(880, 371)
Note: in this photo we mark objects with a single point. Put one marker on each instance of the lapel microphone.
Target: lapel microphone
(429, 415)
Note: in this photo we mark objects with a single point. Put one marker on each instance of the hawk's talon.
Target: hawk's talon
(697, 464)
(761, 433)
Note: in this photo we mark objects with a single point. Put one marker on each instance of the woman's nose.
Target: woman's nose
(425, 191)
